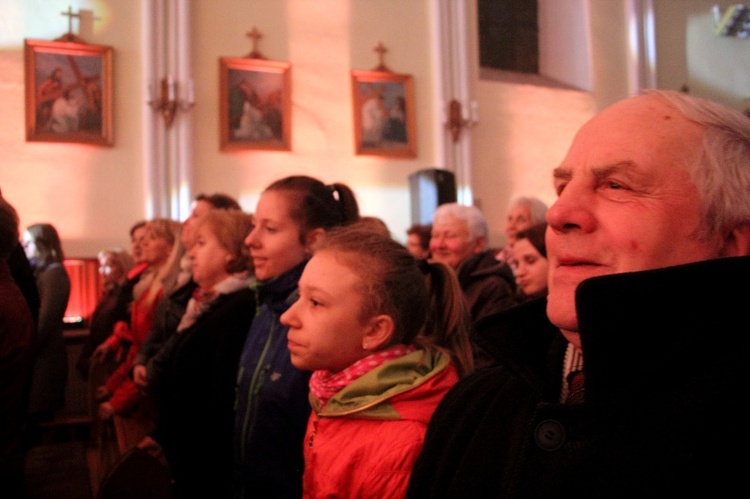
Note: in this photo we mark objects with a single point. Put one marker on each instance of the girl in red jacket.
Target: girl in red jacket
(385, 348)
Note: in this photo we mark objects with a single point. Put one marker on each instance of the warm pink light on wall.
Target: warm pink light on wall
(85, 288)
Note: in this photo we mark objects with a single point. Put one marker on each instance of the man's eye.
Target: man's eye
(615, 185)
(314, 303)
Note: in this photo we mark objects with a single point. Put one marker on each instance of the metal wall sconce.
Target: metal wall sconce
(457, 122)
(167, 102)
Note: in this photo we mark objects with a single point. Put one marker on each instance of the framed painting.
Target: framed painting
(255, 104)
(384, 121)
(68, 92)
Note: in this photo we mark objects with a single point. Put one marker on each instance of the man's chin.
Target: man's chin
(561, 312)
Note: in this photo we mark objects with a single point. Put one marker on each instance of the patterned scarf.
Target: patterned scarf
(198, 304)
(325, 384)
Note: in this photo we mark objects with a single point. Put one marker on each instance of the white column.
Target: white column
(183, 161)
(167, 160)
(154, 160)
(642, 45)
(452, 72)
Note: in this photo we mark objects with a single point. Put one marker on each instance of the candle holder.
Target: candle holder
(168, 103)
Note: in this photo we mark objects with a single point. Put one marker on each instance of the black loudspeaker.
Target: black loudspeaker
(429, 189)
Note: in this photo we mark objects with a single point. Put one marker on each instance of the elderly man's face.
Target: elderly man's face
(625, 202)
(451, 242)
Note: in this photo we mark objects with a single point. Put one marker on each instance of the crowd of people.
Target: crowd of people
(302, 351)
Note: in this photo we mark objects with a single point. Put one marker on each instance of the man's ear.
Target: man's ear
(313, 239)
(379, 332)
(737, 241)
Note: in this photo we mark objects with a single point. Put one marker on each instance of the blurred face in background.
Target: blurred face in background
(209, 258)
(531, 267)
(29, 246)
(136, 244)
(111, 270)
(156, 249)
(414, 245)
(518, 219)
(451, 241)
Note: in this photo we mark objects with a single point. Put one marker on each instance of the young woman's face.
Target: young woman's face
(209, 258)
(136, 244)
(274, 242)
(531, 267)
(325, 330)
(29, 246)
(155, 249)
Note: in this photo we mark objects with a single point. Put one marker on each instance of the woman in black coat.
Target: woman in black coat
(192, 376)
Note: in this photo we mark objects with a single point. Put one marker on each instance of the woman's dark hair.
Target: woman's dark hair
(47, 243)
(314, 204)
(535, 235)
(220, 200)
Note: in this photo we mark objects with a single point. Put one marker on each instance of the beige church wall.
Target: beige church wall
(323, 41)
(91, 194)
(526, 122)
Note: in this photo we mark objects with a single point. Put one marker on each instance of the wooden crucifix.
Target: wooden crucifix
(254, 35)
(381, 50)
(69, 36)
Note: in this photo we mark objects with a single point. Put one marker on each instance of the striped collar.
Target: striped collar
(573, 362)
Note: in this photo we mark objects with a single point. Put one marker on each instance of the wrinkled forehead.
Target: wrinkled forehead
(449, 221)
(644, 130)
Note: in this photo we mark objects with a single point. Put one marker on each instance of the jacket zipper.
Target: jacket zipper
(256, 384)
(313, 432)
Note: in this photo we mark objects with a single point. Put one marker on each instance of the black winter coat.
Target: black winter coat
(665, 362)
(196, 396)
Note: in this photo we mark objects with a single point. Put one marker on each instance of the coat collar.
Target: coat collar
(641, 332)
(280, 292)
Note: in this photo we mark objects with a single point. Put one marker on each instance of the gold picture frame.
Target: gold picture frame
(255, 104)
(68, 92)
(384, 114)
